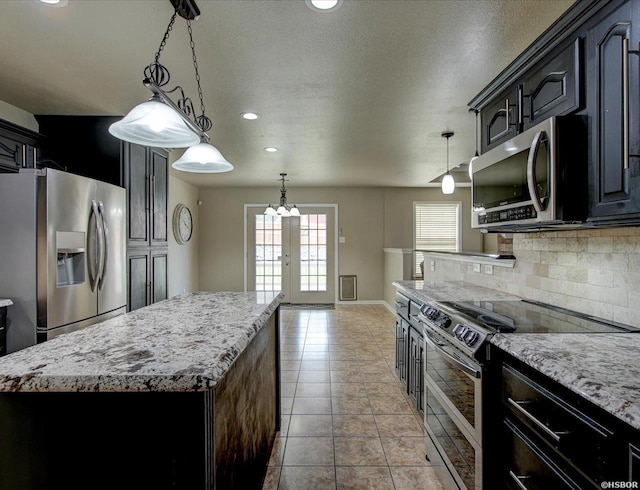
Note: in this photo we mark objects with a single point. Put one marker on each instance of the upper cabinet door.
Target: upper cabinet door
(137, 185)
(554, 88)
(159, 191)
(500, 119)
(614, 103)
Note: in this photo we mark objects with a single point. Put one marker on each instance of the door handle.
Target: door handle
(625, 103)
(531, 170)
(105, 247)
(92, 236)
(519, 405)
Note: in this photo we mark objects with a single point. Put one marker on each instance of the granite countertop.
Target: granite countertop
(451, 291)
(603, 368)
(5, 302)
(186, 343)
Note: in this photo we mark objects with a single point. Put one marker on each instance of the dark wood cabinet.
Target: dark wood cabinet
(18, 147)
(415, 376)
(402, 339)
(552, 87)
(147, 277)
(82, 145)
(146, 180)
(550, 437)
(614, 108)
(555, 87)
(499, 119)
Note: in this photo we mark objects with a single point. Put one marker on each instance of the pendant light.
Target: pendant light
(475, 157)
(448, 184)
(284, 210)
(164, 123)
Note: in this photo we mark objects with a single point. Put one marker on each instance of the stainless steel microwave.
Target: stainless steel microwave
(537, 179)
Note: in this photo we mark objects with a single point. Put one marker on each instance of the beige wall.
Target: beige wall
(370, 219)
(398, 219)
(360, 217)
(183, 259)
(593, 271)
(17, 116)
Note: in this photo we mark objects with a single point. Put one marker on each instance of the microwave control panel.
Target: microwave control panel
(513, 214)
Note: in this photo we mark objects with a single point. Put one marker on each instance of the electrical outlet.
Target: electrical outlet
(488, 269)
(432, 265)
(342, 239)
(476, 267)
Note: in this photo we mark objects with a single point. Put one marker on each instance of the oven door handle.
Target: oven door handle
(451, 359)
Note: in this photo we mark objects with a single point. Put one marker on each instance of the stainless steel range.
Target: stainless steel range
(457, 338)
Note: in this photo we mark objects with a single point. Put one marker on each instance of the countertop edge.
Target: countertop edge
(32, 381)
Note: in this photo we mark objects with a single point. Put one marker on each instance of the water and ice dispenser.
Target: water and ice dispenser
(70, 248)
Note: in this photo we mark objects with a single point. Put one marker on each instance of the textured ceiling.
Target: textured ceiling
(358, 96)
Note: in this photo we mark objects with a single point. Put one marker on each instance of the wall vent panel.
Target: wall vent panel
(348, 288)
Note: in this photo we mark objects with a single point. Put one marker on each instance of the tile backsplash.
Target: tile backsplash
(593, 271)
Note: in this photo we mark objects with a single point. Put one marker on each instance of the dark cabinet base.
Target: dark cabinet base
(205, 440)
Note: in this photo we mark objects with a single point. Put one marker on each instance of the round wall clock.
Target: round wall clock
(182, 224)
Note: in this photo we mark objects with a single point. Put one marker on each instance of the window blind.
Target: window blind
(436, 227)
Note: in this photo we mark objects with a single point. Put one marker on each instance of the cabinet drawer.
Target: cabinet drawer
(402, 305)
(527, 466)
(414, 309)
(569, 431)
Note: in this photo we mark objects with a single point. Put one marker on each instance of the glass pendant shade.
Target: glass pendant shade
(202, 158)
(270, 211)
(448, 184)
(294, 211)
(282, 211)
(153, 123)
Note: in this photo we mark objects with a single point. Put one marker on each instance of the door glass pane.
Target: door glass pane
(313, 252)
(268, 252)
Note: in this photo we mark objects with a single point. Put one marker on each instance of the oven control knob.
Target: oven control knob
(445, 321)
(471, 338)
(462, 331)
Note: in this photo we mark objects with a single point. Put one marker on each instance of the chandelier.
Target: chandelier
(284, 209)
(164, 123)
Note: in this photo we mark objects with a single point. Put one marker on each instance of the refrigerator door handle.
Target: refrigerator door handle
(92, 260)
(105, 247)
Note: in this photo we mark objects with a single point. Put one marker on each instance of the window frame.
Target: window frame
(458, 238)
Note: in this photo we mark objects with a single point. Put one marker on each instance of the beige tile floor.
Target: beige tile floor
(346, 420)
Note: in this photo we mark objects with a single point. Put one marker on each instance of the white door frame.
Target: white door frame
(335, 240)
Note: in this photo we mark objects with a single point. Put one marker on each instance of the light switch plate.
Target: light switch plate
(342, 239)
(432, 264)
(488, 269)
(476, 267)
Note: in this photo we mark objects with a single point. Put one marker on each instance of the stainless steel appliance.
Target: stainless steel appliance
(457, 365)
(63, 253)
(536, 179)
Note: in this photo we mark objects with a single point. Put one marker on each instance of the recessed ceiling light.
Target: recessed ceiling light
(324, 5)
(250, 115)
(53, 3)
(271, 149)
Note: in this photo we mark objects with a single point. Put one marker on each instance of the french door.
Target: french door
(295, 255)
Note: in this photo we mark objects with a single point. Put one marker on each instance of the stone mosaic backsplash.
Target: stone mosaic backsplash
(593, 271)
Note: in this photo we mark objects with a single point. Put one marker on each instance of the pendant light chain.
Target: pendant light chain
(156, 71)
(203, 121)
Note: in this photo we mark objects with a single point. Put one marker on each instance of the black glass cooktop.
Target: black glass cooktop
(527, 316)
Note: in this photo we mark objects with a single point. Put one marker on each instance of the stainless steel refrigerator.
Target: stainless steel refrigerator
(62, 253)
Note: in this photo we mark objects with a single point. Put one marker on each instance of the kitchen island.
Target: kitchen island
(181, 394)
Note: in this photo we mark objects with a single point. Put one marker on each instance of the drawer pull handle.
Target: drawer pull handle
(556, 436)
(415, 318)
(518, 480)
(400, 305)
